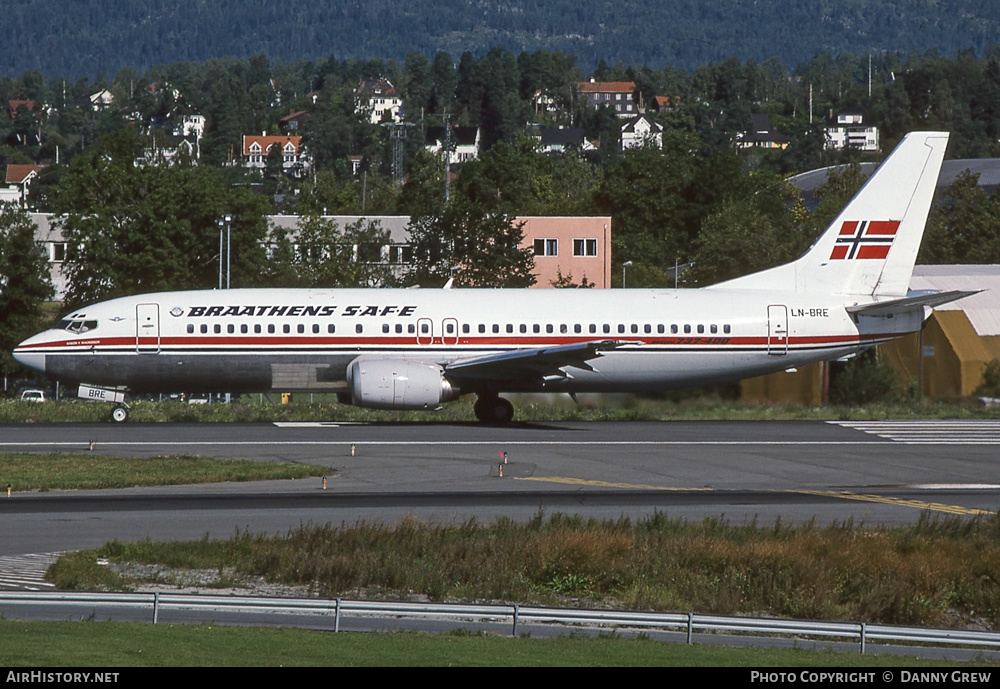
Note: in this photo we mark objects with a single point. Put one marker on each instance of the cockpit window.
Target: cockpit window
(77, 326)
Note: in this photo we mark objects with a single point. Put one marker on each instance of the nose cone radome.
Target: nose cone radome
(25, 355)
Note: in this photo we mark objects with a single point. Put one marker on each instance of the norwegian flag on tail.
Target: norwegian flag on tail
(864, 239)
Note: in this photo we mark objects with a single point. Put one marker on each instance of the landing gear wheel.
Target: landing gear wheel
(119, 414)
(494, 410)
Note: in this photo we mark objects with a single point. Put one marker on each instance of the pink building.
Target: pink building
(571, 247)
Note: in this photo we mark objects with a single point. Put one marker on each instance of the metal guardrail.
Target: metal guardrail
(512, 615)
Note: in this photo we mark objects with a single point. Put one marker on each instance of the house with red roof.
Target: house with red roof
(19, 177)
(620, 96)
(294, 159)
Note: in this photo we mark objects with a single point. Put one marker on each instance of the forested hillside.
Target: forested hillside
(87, 37)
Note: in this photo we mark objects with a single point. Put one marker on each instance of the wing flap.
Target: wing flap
(536, 362)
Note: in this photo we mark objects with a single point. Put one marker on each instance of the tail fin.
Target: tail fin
(871, 247)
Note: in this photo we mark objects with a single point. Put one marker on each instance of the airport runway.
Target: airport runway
(878, 473)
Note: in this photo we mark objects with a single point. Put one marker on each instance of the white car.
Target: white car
(33, 396)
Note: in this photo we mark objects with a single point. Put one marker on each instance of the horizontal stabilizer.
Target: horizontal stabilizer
(918, 300)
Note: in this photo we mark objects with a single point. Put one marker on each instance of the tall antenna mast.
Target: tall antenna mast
(447, 154)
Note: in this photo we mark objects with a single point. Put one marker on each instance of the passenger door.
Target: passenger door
(147, 328)
(777, 329)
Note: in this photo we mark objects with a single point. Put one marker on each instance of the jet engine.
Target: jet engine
(398, 384)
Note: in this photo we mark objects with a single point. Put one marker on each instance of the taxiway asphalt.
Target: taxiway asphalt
(877, 473)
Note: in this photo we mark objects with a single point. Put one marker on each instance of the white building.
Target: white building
(640, 131)
(294, 160)
(848, 129)
(464, 143)
(378, 97)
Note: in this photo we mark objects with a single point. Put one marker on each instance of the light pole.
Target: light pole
(229, 247)
(625, 265)
(225, 221)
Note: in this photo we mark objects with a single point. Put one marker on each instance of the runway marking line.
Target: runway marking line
(862, 497)
(604, 484)
(918, 504)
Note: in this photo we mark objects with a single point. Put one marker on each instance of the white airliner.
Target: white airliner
(414, 349)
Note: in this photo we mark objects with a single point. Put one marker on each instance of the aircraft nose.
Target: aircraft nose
(29, 358)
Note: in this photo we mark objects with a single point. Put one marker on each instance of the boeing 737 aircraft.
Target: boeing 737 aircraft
(414, 349)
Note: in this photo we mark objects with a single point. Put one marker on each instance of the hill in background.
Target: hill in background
(82, 39)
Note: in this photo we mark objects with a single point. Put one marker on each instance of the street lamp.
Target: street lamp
(225, 221)
(625, 265)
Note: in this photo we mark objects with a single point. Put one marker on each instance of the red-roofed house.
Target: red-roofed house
(618, 95)
(13, 105)
(294, 160)
(18, 179)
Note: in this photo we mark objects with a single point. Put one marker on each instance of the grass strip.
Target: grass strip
(939, 572)
(122, 645)
(249, 409)
(57, 471)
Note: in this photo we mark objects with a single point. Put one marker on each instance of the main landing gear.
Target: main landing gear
(493, 410)
(120, 413)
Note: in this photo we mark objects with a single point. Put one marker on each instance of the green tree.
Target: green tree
(143, 229)
(964, 227)
(478, 247)
(24, 282)
(321, 254)
(841, 184)
(757, 228)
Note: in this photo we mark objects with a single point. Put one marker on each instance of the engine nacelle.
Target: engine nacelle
(397, 384)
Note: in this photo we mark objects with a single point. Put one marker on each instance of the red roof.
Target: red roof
(605, 86)
(265, 142)
(16, 174)
(13, 105)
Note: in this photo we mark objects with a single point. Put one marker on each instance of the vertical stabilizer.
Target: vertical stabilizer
(871, 247)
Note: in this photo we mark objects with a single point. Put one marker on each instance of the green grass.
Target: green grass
(939, 572)
(57, 471)
(115, 645)
(249, 409)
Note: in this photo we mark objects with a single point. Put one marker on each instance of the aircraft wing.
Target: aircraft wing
(917, 300)
(529, 364)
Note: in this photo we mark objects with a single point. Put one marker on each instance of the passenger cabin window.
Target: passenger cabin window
(190, 328)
